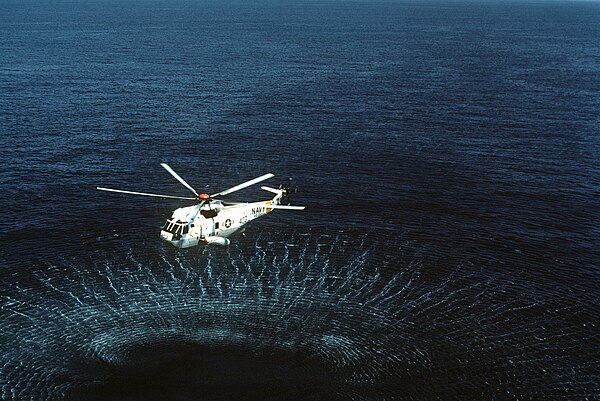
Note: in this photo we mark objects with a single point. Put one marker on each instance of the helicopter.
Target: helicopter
(212, 220)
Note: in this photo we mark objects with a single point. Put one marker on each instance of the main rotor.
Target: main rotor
(202, 198)
(206, 198)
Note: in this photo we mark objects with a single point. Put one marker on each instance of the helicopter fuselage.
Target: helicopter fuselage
(213, 223)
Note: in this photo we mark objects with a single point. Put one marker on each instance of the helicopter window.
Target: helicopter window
(216, 225)
(176, 228)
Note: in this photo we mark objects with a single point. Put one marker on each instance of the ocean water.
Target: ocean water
(446, 151)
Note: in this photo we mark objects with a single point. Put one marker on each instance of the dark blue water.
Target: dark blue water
(447, 153)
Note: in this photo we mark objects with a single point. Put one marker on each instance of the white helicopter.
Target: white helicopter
(212, 220)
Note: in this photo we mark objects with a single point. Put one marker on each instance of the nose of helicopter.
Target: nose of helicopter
(168, 237)
(184, 241)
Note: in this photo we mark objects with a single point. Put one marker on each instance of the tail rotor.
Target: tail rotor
(288, 188)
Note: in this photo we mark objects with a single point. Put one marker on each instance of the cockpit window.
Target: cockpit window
(177, 228)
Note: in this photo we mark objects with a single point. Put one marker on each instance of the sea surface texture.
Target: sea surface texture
(447, 153)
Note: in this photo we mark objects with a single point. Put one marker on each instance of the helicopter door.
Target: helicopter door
(196, 230)
(207, 228)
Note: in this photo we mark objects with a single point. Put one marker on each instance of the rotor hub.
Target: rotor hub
(204, 196)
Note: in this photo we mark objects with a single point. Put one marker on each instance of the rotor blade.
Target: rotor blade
(287, 207)
(178, 178)
(142, 193)
(244, 185)
(193, 216)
